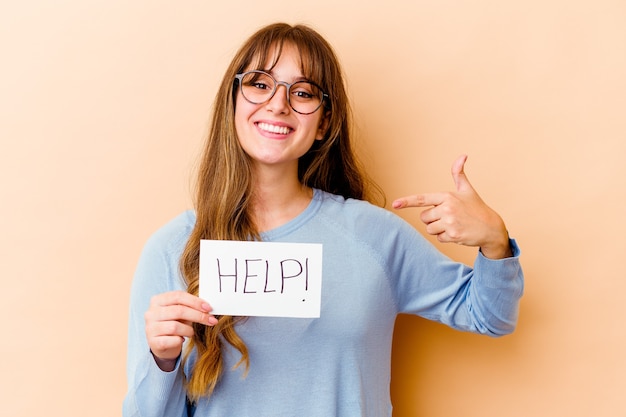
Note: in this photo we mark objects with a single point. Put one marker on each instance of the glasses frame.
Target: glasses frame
(239, 78)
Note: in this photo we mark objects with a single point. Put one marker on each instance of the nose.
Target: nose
(279, 102)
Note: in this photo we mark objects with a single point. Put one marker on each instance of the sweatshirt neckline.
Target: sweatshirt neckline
(296, 222)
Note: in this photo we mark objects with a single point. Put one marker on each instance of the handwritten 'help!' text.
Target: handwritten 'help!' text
(261, 278)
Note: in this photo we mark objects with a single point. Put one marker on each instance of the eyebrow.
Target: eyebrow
(294, 80)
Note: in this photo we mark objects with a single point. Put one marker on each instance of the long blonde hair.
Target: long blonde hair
(223, 191)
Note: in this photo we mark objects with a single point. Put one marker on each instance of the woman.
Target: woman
(279, 166)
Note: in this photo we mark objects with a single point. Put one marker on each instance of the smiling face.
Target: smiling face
(272, 133)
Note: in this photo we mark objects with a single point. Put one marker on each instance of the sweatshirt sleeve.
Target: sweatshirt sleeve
(152, 392)
(483, 299)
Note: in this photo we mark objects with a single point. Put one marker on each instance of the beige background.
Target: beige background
(103, 107)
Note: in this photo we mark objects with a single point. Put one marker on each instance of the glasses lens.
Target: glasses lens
(257, 87)
(305, 97)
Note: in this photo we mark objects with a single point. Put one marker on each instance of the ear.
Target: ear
(323, 126)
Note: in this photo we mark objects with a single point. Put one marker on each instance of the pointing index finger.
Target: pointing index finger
(418, 200)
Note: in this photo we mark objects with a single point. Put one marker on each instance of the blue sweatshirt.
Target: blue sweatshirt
(375, 266)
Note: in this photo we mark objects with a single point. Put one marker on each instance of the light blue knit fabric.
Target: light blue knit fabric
(375, 265)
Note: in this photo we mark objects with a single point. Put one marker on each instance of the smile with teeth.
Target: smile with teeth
(283, 130)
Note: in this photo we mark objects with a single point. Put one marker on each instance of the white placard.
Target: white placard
(261, 278)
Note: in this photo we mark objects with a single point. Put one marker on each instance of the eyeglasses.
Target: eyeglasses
(258, 87)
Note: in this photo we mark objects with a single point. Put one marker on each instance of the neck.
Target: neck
(277, 199)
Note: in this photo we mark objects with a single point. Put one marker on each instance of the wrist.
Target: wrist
(498, 250)
(164, 364)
